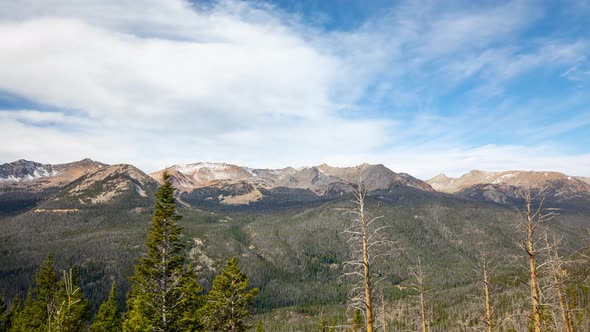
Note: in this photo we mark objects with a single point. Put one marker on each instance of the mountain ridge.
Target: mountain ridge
(243, 185)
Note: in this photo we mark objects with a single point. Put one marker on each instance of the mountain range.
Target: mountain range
(25, 183)
(285, 225)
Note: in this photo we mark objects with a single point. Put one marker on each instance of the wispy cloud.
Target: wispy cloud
(165, 82)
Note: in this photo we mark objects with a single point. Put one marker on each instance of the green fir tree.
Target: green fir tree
(40, 303)
(160, 299)
(259, 326)
(4, 316)
(229, 301)
(72, 309)
(19, 318)
(13, 313)
(107, 319)
(357, 320)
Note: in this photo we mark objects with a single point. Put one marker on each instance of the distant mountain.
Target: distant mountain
(115, 184)
(581, 178)
(504, 187)
(25, 183)
(235, 185)
(286, 225)
(30, 174)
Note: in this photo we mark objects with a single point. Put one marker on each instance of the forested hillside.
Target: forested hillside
(293, 247)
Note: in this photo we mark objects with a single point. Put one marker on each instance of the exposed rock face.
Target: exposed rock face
(109, 183)
(241, 185)
(35, 176)
(521, 179)
(231, 184)
(502, 187)
(23, 184)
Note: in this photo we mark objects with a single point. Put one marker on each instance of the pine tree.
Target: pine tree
(40, 303)
(158, 299)
(228, 302)
(72, 309)
(19, 318)
(357, 320)
(191, 301)
(46, 289)
(13, 314)
(4, 316)
(259, 326)
(322, 323)
(107, 319)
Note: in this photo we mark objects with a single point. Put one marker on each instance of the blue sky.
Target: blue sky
(423, 87)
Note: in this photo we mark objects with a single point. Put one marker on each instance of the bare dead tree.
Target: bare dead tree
(367, 244)
(485, 268)
(530, 219)
(418, 274)
(558, 273)
(383, 317)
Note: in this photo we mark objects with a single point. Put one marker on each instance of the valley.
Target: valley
(286, 227)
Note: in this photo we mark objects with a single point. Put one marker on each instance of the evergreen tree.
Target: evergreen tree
(107, 319)
(322, 323)
(4, 316)
(160, 299)
(191, 301)
(19, 316)
(229, 300)
(13, 313)
(357, 320)
(40, 304)
(259, 326)
(72, 309)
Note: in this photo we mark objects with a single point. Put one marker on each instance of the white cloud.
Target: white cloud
(165, 81)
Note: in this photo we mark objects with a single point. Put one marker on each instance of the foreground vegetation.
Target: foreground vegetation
(295, 256)
(165, 293)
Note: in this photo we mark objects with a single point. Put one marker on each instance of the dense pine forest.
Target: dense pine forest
(295, 166)
(367, 261)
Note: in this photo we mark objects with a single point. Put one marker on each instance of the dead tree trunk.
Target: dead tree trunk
(531, 218)
(555, 264)
(383, 317)
(486, 288)
(366, 264)
(418, 274)
(367, 244)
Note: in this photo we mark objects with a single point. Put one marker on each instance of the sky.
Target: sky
(423, 87)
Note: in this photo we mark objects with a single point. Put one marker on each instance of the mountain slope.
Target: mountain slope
(25, 183)
(289, 239)
(504, 187)
(116, 184)
(236, 185)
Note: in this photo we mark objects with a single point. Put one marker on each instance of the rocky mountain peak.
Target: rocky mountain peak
(319, 179)
(109, 183)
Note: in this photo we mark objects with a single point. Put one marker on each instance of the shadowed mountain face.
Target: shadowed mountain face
(286, 225)
(219, 183)
(24, 184)
(32, 175)
(110, 185)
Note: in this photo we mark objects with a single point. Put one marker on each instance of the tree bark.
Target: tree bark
(535, 294)
(486, 285)
(366, 266)
(420, 281)
(555, 266)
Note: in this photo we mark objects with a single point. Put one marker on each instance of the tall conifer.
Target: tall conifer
(107, 319)
(228, 302)
(72, 309)
(39, 305)
(158, 297)
(4, 316)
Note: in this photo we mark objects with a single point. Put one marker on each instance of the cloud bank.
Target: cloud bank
(421, 88)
